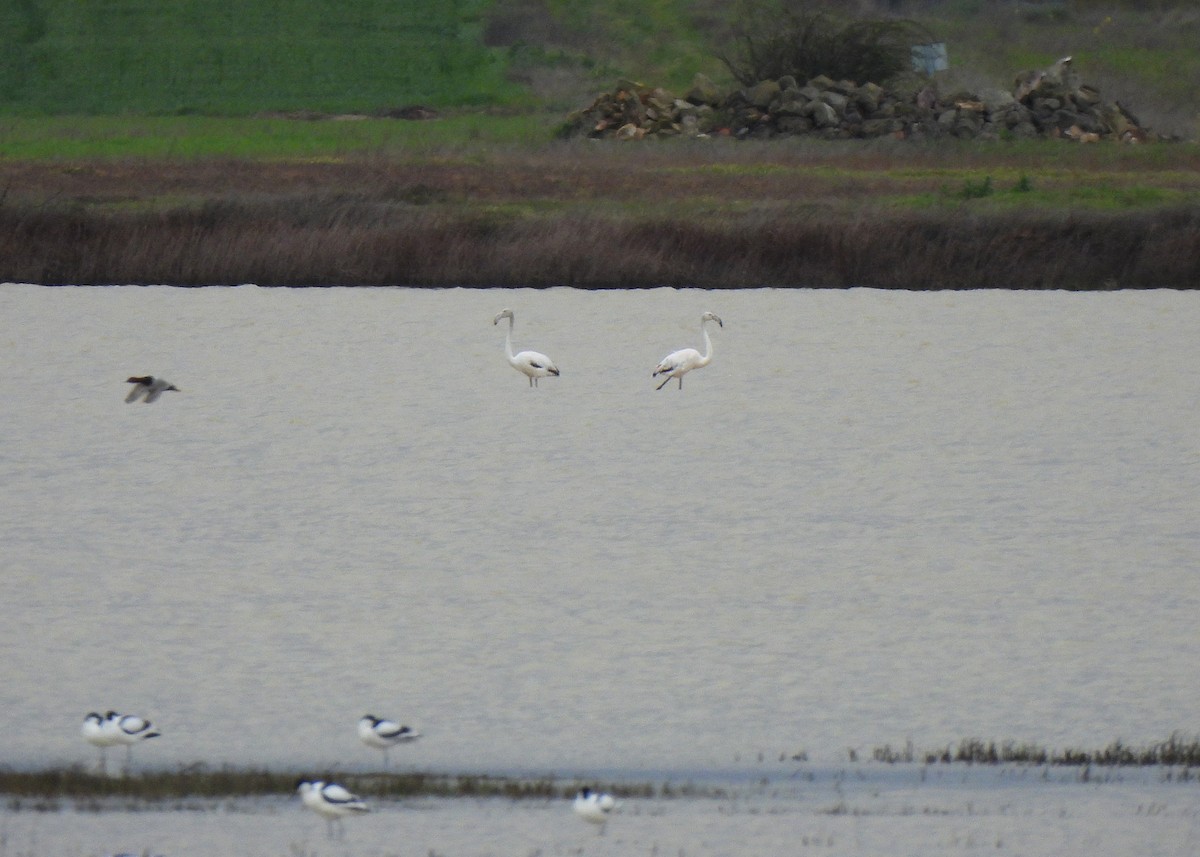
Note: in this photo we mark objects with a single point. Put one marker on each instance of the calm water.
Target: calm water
(876, 516)
(894, 812)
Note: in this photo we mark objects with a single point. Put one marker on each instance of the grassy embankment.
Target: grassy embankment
(48, 789)
(160, 194)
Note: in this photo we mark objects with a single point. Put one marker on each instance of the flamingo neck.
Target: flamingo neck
(707, 356)
(508, 341)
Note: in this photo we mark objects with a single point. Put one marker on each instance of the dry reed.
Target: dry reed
(318, 245)
(709, 218)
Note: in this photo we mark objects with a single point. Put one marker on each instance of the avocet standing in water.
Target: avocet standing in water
(113, 729)
(100, 730)
(149, 387)
(384, 734)
(130, 730)
(594, 807)
(330, 801)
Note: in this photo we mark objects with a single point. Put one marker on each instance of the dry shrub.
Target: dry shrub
(774, 40)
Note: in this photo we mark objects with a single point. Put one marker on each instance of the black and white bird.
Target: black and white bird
(382, 734)
(100, 731)
(532, 364)
(130, 730)
(113, 729)
(594, 807)
(149, 387)
(330, 801)
(679, 363)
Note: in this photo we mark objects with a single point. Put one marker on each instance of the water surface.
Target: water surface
(861, 810)
(876, 516)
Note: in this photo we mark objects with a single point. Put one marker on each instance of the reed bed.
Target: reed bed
(1176, 752)
(47, 789)
(725, 215)
(364, 244)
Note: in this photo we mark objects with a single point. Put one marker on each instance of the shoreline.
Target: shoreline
(72, 788)
(1174, 759)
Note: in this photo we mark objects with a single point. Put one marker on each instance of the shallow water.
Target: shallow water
(876, 516)
(860, 810)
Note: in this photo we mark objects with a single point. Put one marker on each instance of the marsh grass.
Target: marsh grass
(378, 243)
(198, 787)
(1177, 751)
(711, 214)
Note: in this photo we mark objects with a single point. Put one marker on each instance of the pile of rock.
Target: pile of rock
(1048, 103)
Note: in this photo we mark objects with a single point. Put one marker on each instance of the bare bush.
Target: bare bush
(779, 39)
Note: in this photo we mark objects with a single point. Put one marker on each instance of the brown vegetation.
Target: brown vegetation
(774, 40)
(45, 789)
(582, 215)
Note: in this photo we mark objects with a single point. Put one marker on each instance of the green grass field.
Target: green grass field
(68, 138)
(245, 57)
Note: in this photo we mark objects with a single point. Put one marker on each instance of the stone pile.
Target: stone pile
(1048, 103)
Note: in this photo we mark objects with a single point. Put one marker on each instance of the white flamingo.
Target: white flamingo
(593, 806)
(679, 363)
(532, 364)
(330, 801)
(384, 734)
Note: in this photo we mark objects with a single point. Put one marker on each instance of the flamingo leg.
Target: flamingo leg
(664, 383)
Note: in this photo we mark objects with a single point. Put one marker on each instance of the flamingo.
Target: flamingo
(330, 801)
(384, 734)
(148, 386)
(530, 363)
(593, 806)
(679, 363)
